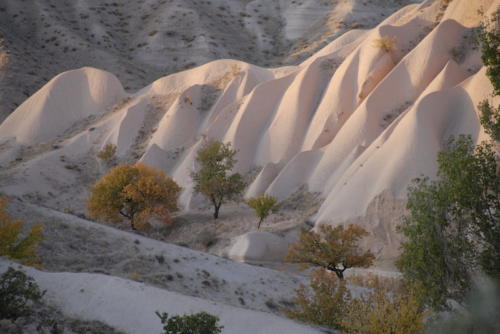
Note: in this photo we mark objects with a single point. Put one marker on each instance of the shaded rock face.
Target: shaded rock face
(141, 41)
(381, 218)
(257, 247)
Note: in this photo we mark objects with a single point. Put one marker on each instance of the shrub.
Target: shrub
(17, 291)
(197, 323)
(108, 154)
(12, 245)
(216, 159)
(334, 248)
(381, 311)
(325, 302)
(136, 192)
(4, 60)
(386, 43)
(263, 206)
(377, 310)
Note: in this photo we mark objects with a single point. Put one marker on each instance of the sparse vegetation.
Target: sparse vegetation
(197, 323)
(386, 43)
(216, 159)
(4, 60)
(263, 206)
(12, 244)
(334, 248)
(136, 192)
(17, 292)
(108, 154)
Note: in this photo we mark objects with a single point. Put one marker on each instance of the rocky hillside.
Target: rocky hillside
(140, 41)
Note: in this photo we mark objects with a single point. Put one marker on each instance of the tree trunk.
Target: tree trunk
(337, 271)
(132, 225)
(260, 222)
(216, 211)
(340, 274)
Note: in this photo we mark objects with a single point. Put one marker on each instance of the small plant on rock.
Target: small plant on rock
(386, 43)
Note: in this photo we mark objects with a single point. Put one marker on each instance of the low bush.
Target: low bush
(386, 43)
(324, 303)
(108, 154)
(197, 323)
(17, 292)
(376, 310)
(12, 244)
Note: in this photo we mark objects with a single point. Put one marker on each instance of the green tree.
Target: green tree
(263, 206)
(453, 226)
(136, 192)
(334, 248)
(17, 292)
(197, 323)
(12, 244)
(489, 39)
(212, 180)
(490, 119)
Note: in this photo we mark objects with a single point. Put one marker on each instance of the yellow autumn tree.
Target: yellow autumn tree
(325, 302)
(334, 248)
(12, 244)
(377, 309)
(383, 311)
(136, 192)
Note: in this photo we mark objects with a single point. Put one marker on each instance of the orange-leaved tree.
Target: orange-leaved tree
(334, 248)
(137, 192)
(12, 245)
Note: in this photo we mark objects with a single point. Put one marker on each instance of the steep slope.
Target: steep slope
(353, 122)
(140, 41)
